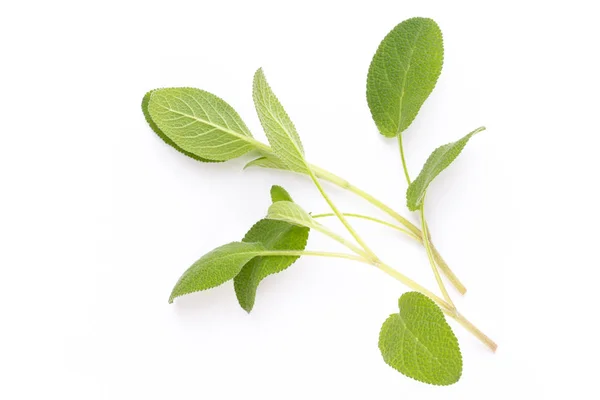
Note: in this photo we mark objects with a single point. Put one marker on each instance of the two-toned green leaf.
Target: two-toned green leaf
(278, 126)
(292, 213)
(161, 134)
(199, 123)
(403, 73)
(439, 160)
(216, 267)
(419, 343)
(273, 235)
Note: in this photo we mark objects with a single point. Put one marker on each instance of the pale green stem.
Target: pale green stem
(341, 217)
(300, 253)
(404, 167)
(344, 184)
(341, 240)
(473, 329)
(438, 278)
(377, 220)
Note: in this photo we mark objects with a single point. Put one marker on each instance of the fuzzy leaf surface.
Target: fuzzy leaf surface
(419, 343)
(161, 134)
(403, 73)
(273, 235)
(216, 267)
(438, 161)
(278, 126)
(200, 123)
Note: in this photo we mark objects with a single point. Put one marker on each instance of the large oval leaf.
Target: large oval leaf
(200, 123)
(161, 134)
(419, 343)
(278, 126)
(403, 73)
(438, 161)
(216, 268)
(273, 235)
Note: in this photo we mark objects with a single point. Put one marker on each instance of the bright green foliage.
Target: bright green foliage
(216, 267)
(439, 160)
(200, 123)
(403, 73)
(419, 343)
(280, 130)
(292, 213)
(160, 133)
(279, 194)
(273, 235)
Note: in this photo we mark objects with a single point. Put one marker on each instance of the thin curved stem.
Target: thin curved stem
(373, 219)
(341, 217)
(434, 267)
(302, 253)
(404, 167)
(344, 184)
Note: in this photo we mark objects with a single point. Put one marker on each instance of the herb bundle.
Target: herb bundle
(417, 341)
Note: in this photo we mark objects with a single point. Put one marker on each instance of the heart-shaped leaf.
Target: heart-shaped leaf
(419, 343)
(403, 73)
(200, 123)
(216, 268)
(161, 134)
(438, 161)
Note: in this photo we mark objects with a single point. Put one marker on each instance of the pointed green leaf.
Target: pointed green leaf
(216, 267)
(419, 343)
(279, 194)
(291, 213)
(164, 137)
(278, 127)
(200, 123)
(439, 160)
(273, 235)
(403, 73)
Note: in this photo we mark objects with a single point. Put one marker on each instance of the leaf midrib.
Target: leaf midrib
(412, 51)
(246, 138)
(423, 346)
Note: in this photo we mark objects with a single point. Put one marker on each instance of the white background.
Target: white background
(99, 218)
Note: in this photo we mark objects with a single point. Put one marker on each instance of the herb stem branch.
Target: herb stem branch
(404, 167)
(373, 219)
(434, 267)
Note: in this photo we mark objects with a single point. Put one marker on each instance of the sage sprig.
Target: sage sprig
(417, 341)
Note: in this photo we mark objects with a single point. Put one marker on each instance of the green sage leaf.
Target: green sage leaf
(403, 73)
(292, 213)
(161, 134)
(279, 194)
(200, 123)
(216, 268)
(273, 235)
(439, 160)
(278, 126)
(419, 343)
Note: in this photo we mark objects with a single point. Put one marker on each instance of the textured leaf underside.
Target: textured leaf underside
(278, 126)
(200, 123)
(419, 343)
(161, 134)
(216, 268)
(438, 161)
(403, 73)
(291, 213)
